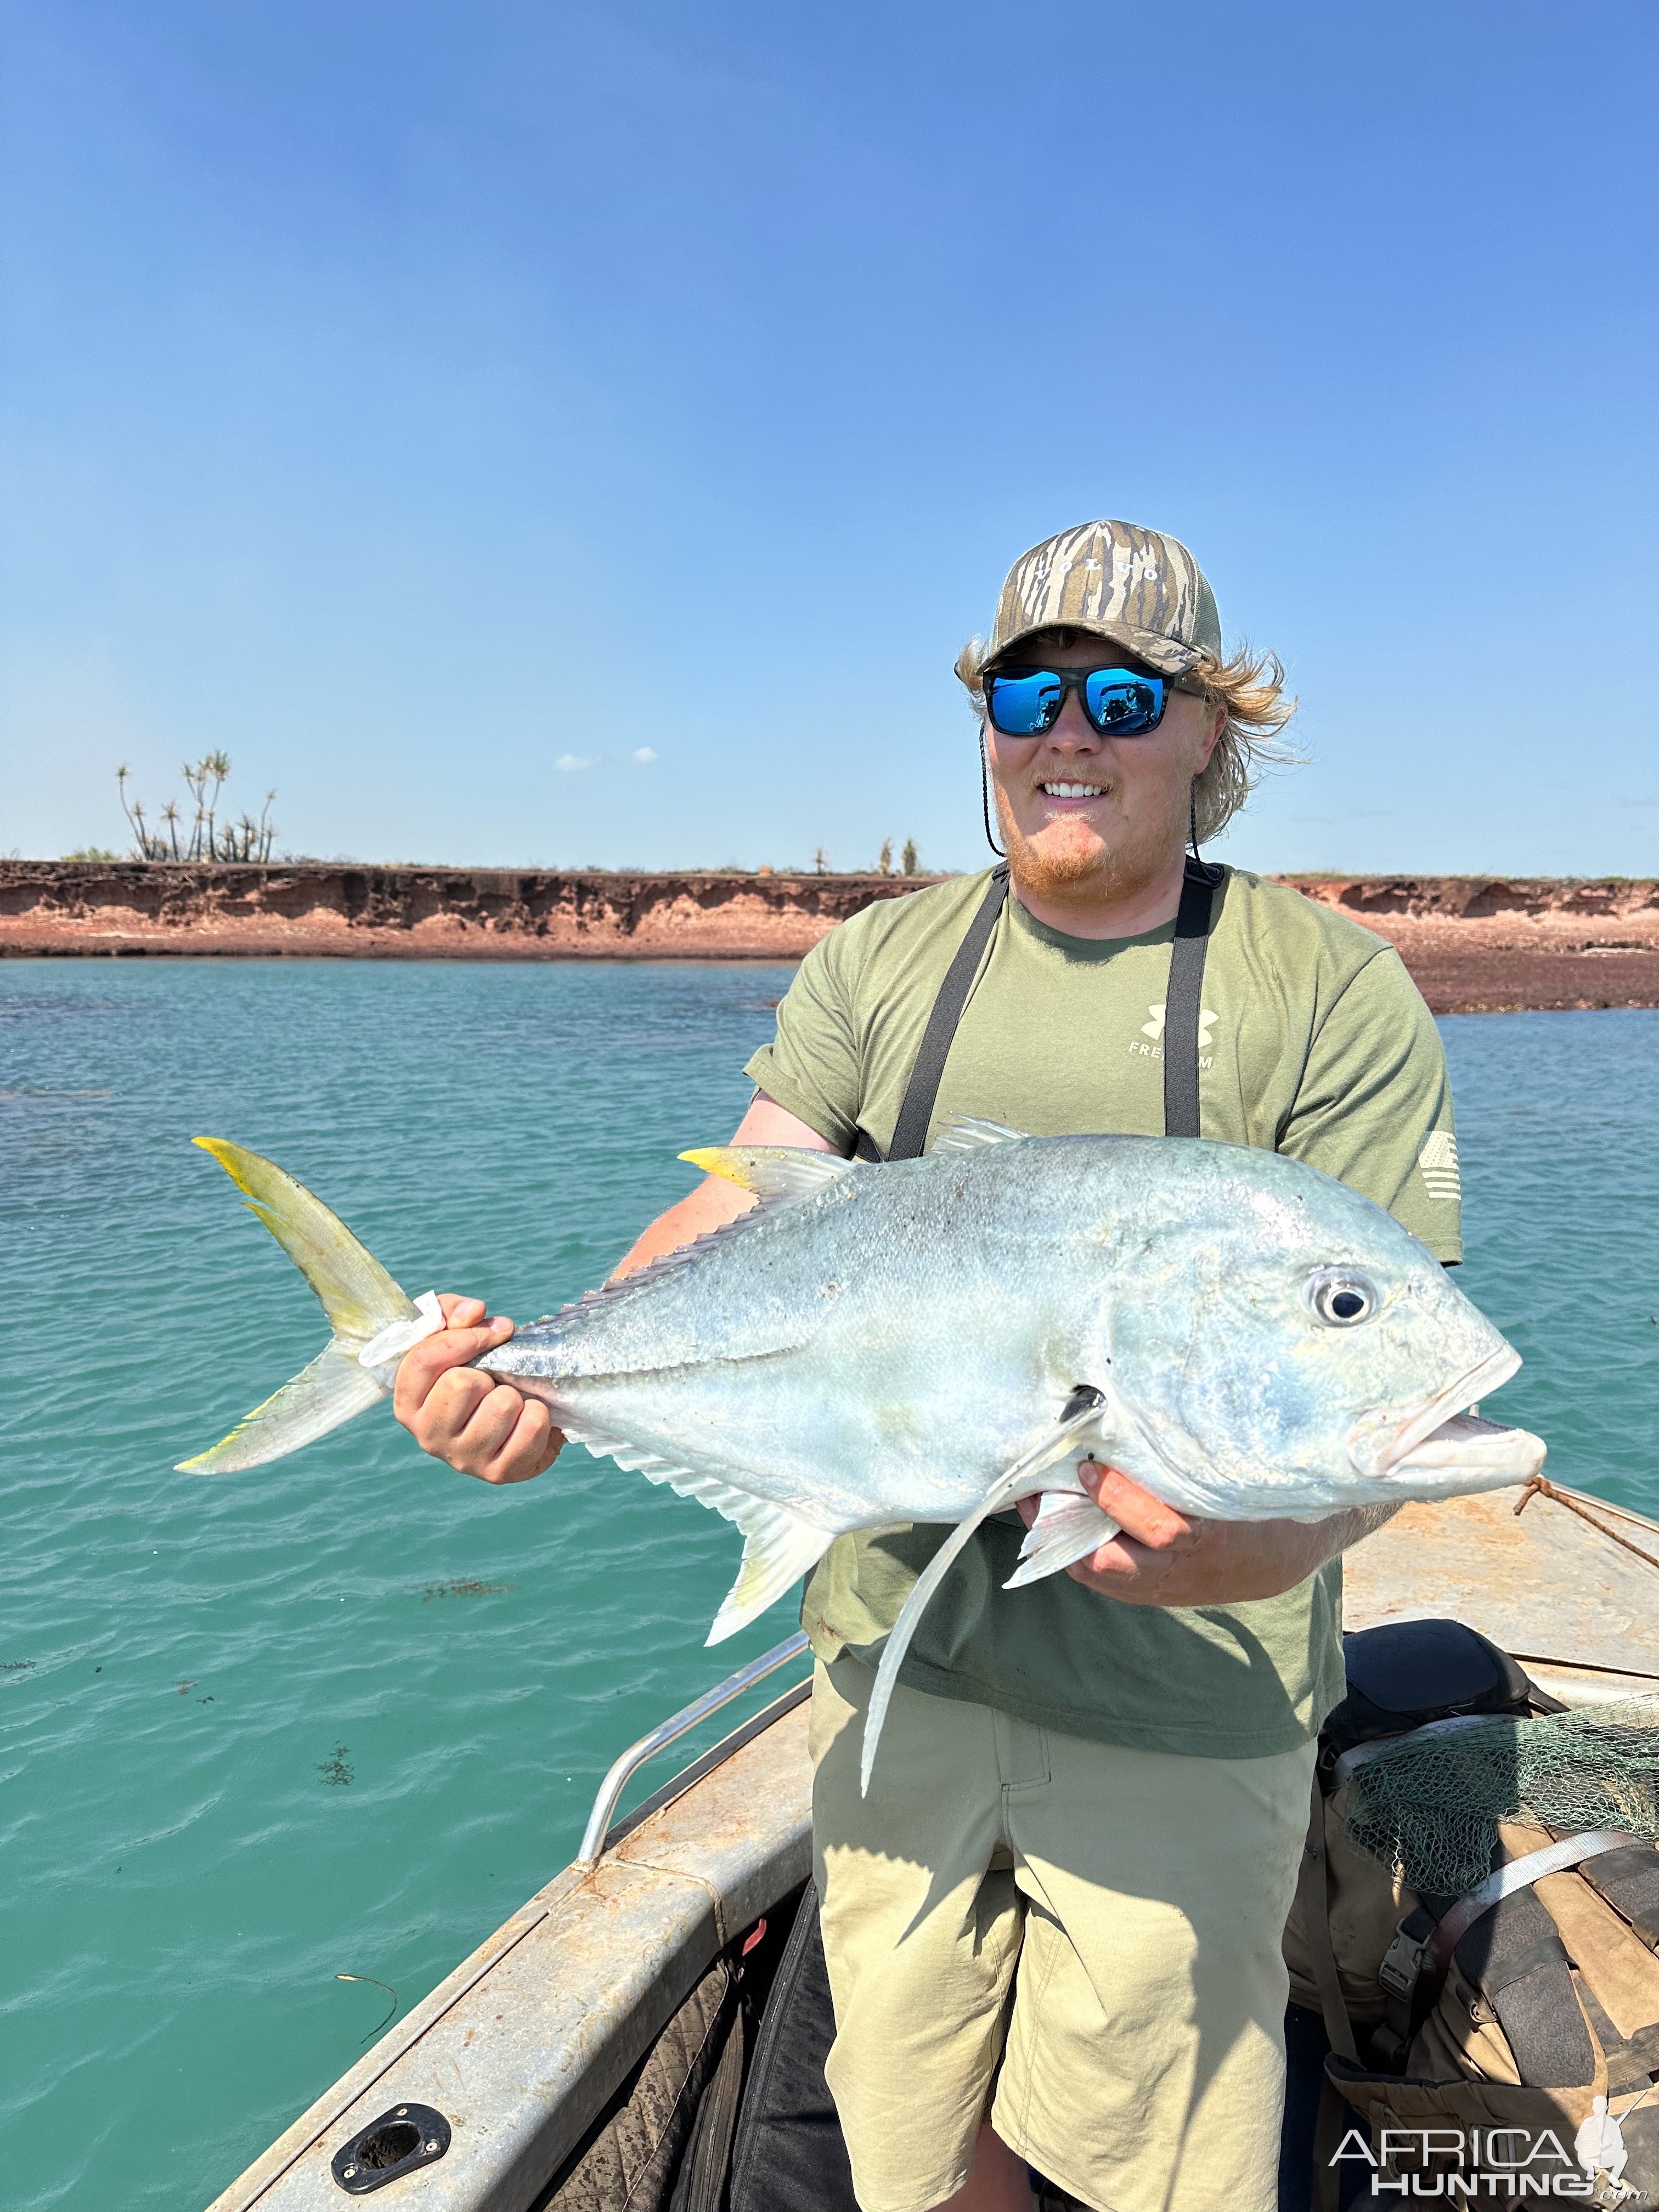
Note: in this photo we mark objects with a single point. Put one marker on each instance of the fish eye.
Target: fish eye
(1341, 1298)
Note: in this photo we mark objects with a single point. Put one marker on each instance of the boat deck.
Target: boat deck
(1577, 1607)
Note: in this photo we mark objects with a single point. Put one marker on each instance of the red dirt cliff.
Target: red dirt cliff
(1475, 943)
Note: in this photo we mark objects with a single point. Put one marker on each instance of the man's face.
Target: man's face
(1078, 809)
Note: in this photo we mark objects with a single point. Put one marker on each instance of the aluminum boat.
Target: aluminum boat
(592, 2050)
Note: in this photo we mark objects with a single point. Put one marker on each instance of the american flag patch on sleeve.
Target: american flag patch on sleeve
(1437, 1164)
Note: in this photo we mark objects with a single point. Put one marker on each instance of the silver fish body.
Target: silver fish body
(882, 1346)
(934, 1340)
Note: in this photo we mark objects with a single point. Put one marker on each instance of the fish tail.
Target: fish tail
(360, 1298)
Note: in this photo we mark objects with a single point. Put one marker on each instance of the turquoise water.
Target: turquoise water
(343, 1715)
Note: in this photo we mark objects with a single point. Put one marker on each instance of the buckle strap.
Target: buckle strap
(1519, 1874)
(1403, 1979)
(1416, 1963)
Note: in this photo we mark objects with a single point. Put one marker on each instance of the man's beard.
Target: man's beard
(1108, 872)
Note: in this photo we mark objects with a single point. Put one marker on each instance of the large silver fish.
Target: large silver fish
(934, 1340)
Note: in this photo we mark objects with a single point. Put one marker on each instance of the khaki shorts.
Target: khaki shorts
(1092, 1931)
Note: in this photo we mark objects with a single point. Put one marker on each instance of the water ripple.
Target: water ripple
(186, 1661)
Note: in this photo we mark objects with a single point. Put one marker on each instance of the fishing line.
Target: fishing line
(389, 1992)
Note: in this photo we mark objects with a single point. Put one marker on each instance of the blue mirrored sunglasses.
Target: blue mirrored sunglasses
(1023, 702)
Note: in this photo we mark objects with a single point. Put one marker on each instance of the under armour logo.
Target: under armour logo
(1207, 1019)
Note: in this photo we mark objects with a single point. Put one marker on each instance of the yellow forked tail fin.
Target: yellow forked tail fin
(360, 1298)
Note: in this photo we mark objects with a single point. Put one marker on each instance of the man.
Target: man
(1053, 1928)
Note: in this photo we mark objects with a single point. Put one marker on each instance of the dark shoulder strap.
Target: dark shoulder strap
(910, 1130)
(1184, 996)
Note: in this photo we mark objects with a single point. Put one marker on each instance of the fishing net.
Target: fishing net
(1427, 1805)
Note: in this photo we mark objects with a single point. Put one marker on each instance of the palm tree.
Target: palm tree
(245, 840)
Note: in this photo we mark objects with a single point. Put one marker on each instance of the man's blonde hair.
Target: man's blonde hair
(1249, 685)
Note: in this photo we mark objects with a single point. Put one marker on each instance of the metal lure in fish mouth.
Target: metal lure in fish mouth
(1441, 1434)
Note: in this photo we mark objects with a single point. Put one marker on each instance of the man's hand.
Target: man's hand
(1163, 1558)
(469, 1420)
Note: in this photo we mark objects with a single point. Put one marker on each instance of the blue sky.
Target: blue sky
(410, 397)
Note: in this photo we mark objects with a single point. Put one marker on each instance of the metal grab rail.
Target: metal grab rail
(723, 1693)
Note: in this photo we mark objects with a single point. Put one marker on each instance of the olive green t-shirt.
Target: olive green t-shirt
(1313, 1041)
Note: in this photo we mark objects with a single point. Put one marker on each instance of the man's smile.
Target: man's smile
(1055, 789)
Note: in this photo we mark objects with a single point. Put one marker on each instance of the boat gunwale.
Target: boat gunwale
(699, 1932)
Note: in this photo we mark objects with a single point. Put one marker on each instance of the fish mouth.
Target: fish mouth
(1467, 1452)
(1443, 1436)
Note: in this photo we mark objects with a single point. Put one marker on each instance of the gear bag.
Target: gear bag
(1538, 2052)
(1505, 2042)
(1346, 1919)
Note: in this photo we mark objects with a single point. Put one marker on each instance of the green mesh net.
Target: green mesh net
(1427, 1805)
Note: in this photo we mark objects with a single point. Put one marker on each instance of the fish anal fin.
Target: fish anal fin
(779, 1545)
(771, 1171)
(967, 1133)
(1067, 1529)
(779, 1548)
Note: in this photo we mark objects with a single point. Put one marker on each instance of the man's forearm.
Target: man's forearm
(1323, 1540)
(715, 1201)
(708, 1207)
(1236, 1561)
(1162, 1559)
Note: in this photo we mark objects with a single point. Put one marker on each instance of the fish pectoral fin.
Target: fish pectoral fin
(1067, 1529)
(779, 1548)
(771, 1171)
(966, 1132)
(1067, 1436)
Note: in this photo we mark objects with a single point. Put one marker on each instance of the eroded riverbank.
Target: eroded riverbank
(1475, 943)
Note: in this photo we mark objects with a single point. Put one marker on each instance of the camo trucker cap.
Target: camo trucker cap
(1140, 589)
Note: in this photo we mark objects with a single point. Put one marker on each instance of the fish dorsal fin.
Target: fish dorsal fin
(771, 1171)
(774, 1173)
(966, 1132)
(648, 1276)
(779, 1546)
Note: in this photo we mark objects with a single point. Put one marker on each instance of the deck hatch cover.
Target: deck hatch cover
(408, 2137)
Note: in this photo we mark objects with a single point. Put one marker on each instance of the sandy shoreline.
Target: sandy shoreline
(1474, 943)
